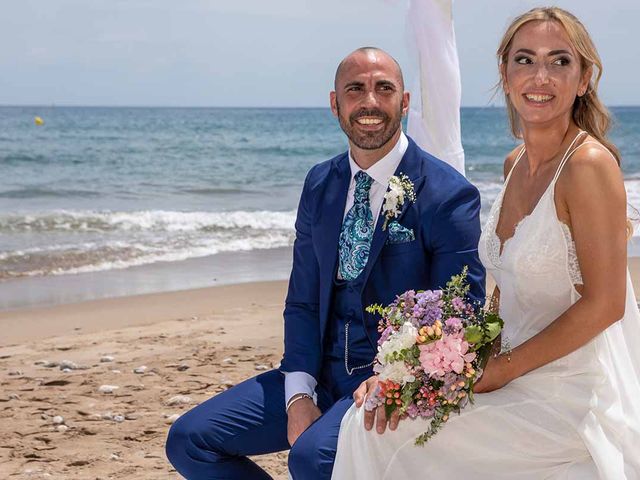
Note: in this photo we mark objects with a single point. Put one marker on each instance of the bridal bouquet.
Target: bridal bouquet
(432, 348)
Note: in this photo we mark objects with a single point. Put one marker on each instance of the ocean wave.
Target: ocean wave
(146, 220)
(76, 241)
(35, 192)
(221, 191)
(13, 158)
(69, 242)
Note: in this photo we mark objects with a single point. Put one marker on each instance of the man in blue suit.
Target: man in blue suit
(353, 248)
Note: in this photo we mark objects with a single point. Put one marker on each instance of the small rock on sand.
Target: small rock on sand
(106, 359)
(58, 420)
(172, 418)
(140, 369)
(62, 428)
(107, 388)
(47, 363)
(64, 364)
(179, 400)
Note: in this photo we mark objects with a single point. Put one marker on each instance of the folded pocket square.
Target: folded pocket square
(399, 234)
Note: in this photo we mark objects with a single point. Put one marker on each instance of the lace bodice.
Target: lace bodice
(493, 242)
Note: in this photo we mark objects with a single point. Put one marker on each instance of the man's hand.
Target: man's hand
(378, 415)
(301, 414)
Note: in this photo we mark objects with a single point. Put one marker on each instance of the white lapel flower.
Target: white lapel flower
(400, 189)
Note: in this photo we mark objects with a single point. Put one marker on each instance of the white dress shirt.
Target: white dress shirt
(381, 172)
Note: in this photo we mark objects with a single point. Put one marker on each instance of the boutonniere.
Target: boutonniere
(400, 189)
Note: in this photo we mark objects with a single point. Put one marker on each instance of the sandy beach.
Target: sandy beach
(89, 390)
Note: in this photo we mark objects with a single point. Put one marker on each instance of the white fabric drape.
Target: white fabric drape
(434, 115)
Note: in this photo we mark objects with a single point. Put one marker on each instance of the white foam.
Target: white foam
(145, 220)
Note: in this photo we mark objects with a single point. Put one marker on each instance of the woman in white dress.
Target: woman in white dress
(563, 401)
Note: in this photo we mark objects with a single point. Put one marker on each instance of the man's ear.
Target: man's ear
(406, 99)
(333, 101)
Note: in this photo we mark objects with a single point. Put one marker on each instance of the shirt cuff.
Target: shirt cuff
(299, 382)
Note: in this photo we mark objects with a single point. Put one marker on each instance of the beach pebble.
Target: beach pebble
(118, 418)
(141, 369)
(262, 367)
(106, 359)
(179, 400)
(58, 420)
(183, 367)
(107, 416)
(62, 428)
(68, 364)
(131, 416)
(16, 373)
(47, 363)
(14, 396)
(44, 416)
(66, 370)
(172, 418)
(108, 388)
(114, 456)
(116, 371)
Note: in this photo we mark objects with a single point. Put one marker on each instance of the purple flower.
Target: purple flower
(452, 325)
(458, 304)
(385, 335)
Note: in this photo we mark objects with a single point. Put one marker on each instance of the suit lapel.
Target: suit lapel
(410, 166)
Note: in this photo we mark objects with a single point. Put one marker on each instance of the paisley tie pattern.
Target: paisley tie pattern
(357, 230)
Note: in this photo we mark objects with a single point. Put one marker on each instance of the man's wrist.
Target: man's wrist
(297, 397)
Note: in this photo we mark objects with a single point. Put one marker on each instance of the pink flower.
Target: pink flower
(454, 323)
(448, 354)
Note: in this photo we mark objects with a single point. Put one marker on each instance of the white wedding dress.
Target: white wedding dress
(575, 418)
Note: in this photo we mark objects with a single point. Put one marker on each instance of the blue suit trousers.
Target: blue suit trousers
(213, 440)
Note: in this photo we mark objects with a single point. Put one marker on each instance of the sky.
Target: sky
(280, 53)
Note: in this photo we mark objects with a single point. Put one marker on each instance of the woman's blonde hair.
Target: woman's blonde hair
(589, 113)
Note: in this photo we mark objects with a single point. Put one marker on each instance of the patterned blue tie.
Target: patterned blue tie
(357, 230)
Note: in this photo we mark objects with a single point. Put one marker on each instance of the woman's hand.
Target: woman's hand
(378, 415)
(497, 373)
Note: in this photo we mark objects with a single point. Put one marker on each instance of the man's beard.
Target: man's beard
(370, 140)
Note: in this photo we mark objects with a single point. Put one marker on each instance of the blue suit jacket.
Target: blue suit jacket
(446, 224)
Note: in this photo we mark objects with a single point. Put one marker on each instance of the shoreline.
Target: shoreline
(32, 323)
(226, 268)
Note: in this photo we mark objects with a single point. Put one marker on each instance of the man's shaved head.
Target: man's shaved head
(369, 99)
(367, 51)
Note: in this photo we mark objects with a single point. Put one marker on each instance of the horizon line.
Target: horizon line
(236, 107)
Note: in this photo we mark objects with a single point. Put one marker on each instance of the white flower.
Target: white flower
(400, 340)
(397, 372)
(399, 188)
